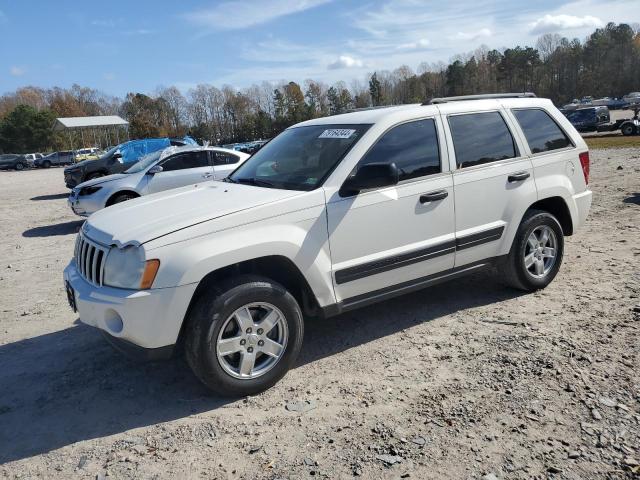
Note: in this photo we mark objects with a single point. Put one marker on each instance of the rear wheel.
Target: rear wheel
(536, 252)
(244, 335)
(19, 166)
(628, 129)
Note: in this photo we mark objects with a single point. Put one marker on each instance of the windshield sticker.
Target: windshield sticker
(337, 133)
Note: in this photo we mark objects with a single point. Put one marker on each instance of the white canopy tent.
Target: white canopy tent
(107, 127)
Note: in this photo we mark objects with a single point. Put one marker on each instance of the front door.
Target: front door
(181, 169)
(386, 237)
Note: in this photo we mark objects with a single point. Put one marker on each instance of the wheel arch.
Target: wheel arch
(113, 196)
(557, 207)
(278, 268)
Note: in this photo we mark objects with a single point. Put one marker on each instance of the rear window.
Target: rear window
(481, 138)
(542, 132)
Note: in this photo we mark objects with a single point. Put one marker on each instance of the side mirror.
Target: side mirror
(155, 169)
(371, 175)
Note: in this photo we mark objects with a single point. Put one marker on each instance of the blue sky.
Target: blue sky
(121, 46)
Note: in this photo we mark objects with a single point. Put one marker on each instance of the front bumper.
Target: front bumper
(71, 179)
(78, 207)
(150, 319)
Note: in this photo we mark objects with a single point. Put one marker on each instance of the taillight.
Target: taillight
(584, 161)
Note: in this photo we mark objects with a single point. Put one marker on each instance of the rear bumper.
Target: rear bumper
(583, 205)
(150, 319)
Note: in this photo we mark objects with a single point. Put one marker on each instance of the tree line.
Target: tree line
(606, 63)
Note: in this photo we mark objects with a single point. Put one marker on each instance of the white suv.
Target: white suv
(331, 215)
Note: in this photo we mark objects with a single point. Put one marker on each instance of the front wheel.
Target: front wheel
(536, 252)
(19, 166)
(122, 197)
(243, 335)
(46, 164)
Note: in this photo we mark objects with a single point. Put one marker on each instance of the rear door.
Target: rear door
(181, 169)
(493, 181)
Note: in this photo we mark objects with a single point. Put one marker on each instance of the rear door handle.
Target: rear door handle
(518, 177)
(433, 196)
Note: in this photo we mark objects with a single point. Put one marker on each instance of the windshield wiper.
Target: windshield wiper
(229, 180)
(255, 181)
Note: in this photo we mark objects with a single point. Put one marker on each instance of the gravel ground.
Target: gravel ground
(465, 380)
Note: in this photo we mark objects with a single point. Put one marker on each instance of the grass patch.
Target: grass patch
(613, 141)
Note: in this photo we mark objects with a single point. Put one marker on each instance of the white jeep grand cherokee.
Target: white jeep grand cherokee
(331, 215)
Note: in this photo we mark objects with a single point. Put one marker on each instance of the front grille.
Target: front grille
(90, 259)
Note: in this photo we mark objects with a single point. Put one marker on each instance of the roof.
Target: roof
(391, 115)
(190, 148)
(85, 122)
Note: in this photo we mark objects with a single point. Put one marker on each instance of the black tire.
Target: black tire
(46, 164)
(20, 166)
(513, 270)
(122, 197)
(208, 316)
(628, 129)
(93, 176)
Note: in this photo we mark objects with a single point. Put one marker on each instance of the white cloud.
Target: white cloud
(471, 36)
(551, 23)
(345, 61)
(17, 71)
(418, 45)
(3, 17)
(233, 15)
(109, 76)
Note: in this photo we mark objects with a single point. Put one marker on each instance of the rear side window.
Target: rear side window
(186, 160)
(223, 158)
(542, 132)
(481, 138)
(412, 146)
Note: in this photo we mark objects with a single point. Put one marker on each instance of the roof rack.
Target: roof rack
(435, 101)
(364, 109)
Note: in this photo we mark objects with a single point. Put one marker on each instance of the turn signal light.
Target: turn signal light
(584, 161)
(149, 275)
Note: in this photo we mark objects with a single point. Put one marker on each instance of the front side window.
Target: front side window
(412, 146)
(541, 131)
(300, 158)
(182, 161)
(481, 138)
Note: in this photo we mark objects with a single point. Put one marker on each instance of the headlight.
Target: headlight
(127, 268)
(89, 190)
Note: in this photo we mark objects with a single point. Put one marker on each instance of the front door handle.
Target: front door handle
(518, 177)
(207, 175)
(433, 196)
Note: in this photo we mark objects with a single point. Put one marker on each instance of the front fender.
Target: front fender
(300, 237)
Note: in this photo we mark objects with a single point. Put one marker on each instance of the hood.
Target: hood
(146, 218)
(100, 180)
(79, 165)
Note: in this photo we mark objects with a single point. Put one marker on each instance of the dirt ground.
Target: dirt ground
(464, 380)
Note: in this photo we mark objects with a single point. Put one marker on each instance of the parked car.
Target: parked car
(32, 157)
(172, 167)
(588, 119)
(13, 161)
(118, 159)
(91, 153)
(66, 157)
(333, 214)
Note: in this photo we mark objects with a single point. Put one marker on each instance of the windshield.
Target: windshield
(144, 162)
(581, 115)
(299, 158)
(110, 152)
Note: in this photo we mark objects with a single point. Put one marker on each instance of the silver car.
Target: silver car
(172, 167)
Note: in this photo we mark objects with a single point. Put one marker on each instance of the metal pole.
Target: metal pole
(82, 136)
